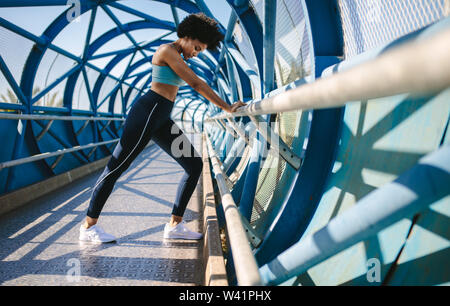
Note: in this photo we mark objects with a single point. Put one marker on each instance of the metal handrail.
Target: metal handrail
(59, 153)
(246, 268)
(36, 157)
(406, 68)
(51, 117)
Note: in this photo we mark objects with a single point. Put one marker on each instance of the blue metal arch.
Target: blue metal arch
(307, 186)
(95, 131)
(252, 25)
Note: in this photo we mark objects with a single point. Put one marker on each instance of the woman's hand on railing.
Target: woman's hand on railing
(235, 106)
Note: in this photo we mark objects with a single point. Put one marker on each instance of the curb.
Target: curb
(214, 264)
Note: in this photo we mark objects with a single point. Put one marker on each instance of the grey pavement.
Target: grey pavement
(39, 242)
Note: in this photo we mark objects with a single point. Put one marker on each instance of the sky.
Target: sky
(36, 19)
(14, 49)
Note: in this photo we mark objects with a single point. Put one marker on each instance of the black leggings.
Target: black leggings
(149, 118)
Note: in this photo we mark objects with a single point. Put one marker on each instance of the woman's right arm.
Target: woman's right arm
(177, 64)
(206, 91)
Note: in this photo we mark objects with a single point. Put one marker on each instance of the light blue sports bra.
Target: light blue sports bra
(165, 74)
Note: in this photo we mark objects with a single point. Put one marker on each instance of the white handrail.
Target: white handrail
(50, 117)
(29, 159)
(247, 272)
(418, 67)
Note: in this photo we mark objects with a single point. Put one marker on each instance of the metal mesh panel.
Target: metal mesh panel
(117, 101)
(107, 86)
(368, 24)
(93, 76)
(292, 48)
(274, 168)
(14, 50)
(292, 62)
(243, 42)
(268, 179)
(134, 93)
(52, 66)
(101, 62)
(72, 37)
(80, 96)
(7, 95)
(102, 24)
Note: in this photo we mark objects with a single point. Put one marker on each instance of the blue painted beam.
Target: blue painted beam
(20, 3)
(176, 18)
(250, 22)
(12, 106)
(326, 27)
(159, 23)
(89, 33)
(228, 37)
(270, 15)
(268, 72)
(409, 194)
(232, 78)
(193, 115)
(204, 8)
(251, 178)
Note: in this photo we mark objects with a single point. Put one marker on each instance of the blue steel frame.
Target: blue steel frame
(231, 74)
(97, 130)
(307, 187)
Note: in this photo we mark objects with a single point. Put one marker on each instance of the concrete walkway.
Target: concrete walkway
(39, 242)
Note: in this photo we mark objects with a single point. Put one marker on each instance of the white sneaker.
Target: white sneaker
(95, 234)
(180, 231)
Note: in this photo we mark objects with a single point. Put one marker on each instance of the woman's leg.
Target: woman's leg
(136, 134)
(172, 140)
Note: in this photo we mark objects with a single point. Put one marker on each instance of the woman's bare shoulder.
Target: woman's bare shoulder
(161, 53)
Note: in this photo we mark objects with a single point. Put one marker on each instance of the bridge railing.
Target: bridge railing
(418, 67)
(245, 264)
(60, 153)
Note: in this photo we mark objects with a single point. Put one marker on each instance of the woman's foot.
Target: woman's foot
(180, 231)
(95, 234)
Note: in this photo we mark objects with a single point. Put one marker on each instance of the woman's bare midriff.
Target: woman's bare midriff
(167, 91)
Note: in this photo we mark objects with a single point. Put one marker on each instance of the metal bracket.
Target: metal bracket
(238, 130)
(56, 162)
(252, 236)
(282, 148)
(44, 130)
(230, 130)
(82, 128)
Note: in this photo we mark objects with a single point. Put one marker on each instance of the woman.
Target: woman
(149, 118)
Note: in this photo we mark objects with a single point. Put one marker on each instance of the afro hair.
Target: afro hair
(199, 26)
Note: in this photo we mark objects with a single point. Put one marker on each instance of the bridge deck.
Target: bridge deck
(39, 242)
